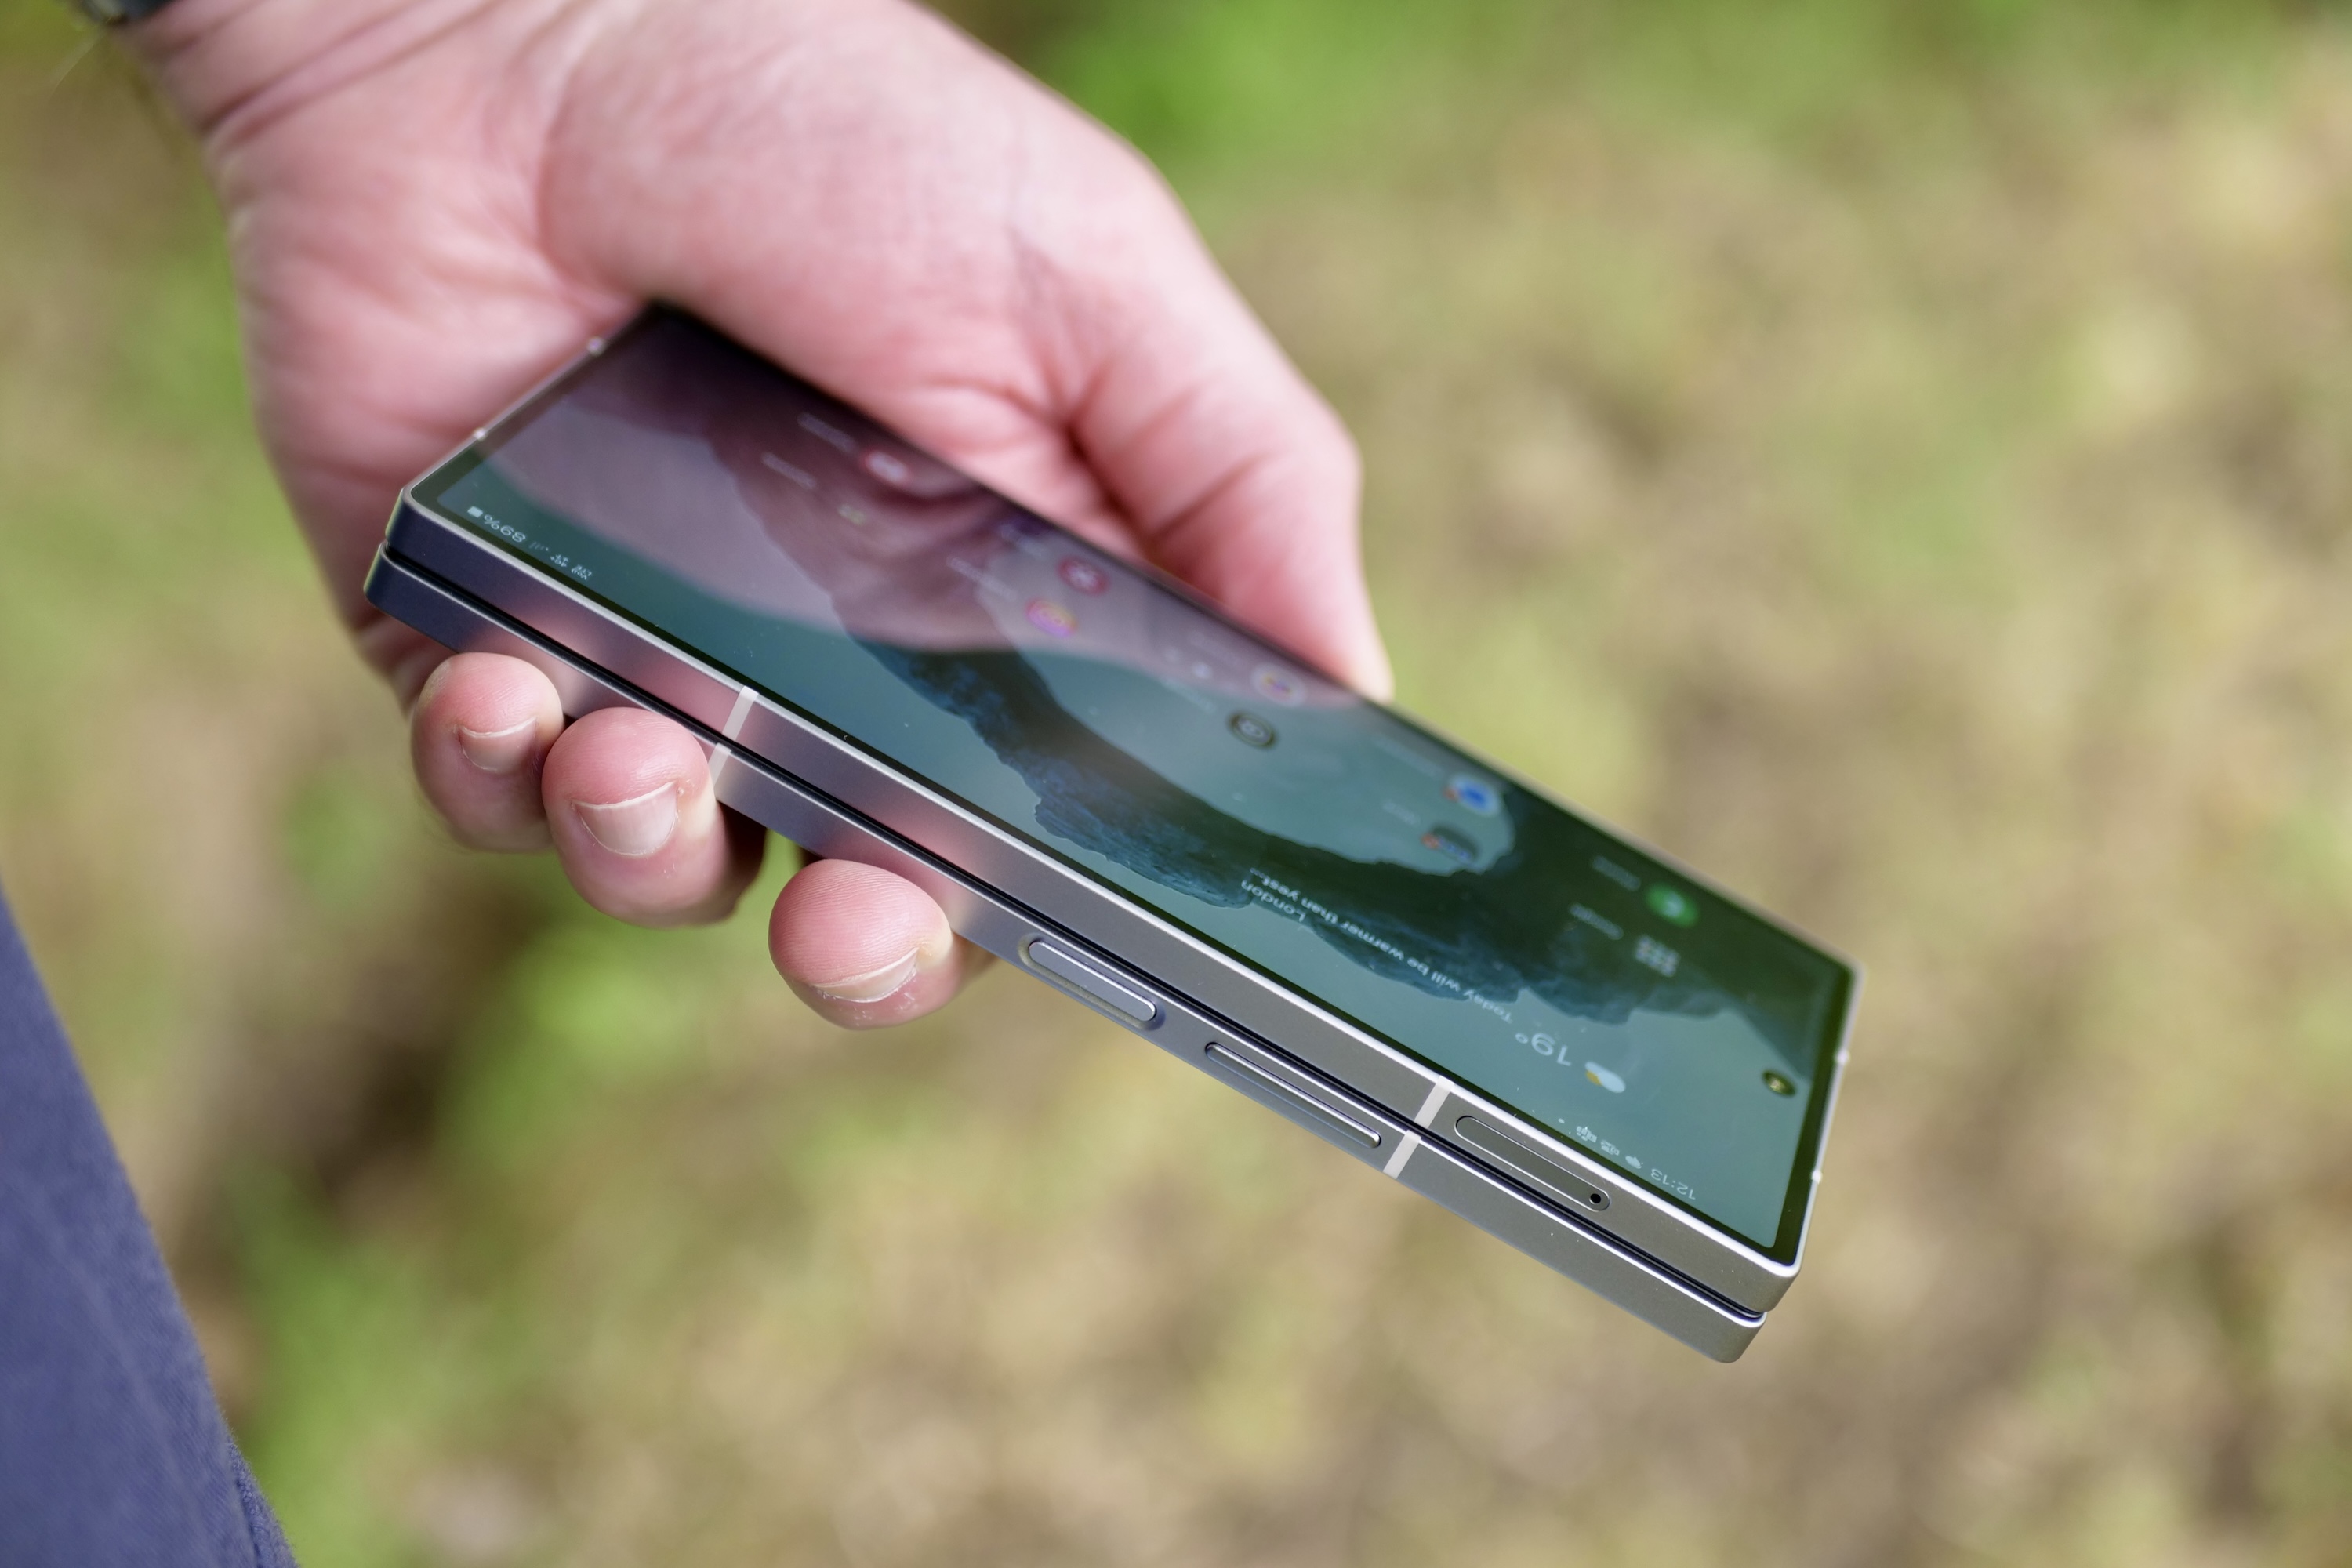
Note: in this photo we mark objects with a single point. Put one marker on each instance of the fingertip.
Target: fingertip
(864, 947)
(628, 801)
(480, 733)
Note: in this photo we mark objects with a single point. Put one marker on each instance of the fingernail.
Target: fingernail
(637, 827)
(499, 751)
(875, 985)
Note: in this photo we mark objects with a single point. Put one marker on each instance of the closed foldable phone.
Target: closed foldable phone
(1565, 1038)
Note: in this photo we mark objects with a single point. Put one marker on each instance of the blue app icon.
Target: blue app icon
(1474, 794)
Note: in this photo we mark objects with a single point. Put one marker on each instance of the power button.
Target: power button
(1091, 981)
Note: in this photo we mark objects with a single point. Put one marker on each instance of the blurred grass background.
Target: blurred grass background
(1897, 455)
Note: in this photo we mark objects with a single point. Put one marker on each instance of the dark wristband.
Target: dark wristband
(114, 13)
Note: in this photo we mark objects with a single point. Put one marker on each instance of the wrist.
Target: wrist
(223, 62)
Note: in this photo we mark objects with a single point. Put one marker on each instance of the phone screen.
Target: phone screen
(1321, 838)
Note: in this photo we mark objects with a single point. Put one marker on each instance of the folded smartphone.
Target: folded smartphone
(1569, 1040)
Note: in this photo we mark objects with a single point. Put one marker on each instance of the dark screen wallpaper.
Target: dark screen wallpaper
(1039, 679)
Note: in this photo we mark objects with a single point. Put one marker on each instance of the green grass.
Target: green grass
(1895, 455)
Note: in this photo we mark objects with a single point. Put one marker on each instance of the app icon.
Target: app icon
(1673, 904)
(1051, 619)
(888, 467)
(1082, 574)
(1777, 1083)
(1252, 731)
(1604, 1078)
(1474, 794)
(1451, 845)
(1277, 684)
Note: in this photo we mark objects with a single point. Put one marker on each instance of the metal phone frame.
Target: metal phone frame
(1360, 1094)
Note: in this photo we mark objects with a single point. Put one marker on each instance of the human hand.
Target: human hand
(433, 203)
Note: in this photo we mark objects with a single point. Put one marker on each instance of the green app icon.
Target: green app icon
(1673, 904)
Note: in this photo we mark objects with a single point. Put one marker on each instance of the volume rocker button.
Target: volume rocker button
(1092, 981)
(1267, 1087)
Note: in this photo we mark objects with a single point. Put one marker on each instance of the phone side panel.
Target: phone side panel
(758, 726)
(1367, 1132)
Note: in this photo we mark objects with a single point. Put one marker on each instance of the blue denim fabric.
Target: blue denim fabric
(112, 1450)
